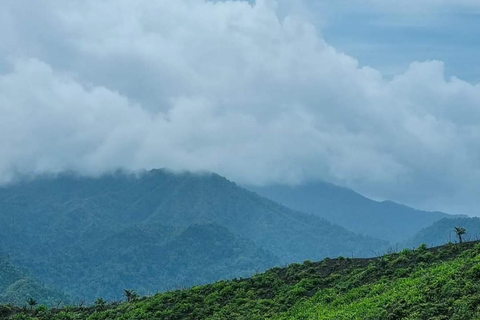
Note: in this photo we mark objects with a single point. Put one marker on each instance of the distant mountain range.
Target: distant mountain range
(385, 220)
(16, 287)
(94, 237)
(443, 231)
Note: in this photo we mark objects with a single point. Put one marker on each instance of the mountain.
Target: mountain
(149, 258)
(443, 231)
(16, 288)
(437, 283)
(385, 220)
(94, 237)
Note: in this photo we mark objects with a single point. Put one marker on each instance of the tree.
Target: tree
(460, 232)
(100, 302)
(130, 295)
(32, 303)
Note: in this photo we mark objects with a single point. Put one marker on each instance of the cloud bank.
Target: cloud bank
(230, 87)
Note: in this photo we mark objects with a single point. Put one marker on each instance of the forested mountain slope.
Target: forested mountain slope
(17, 288)
(95, 236)
(443, 231)
(386, 220)
(148, 258)
(425, 284)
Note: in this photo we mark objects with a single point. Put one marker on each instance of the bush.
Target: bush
(5, 311)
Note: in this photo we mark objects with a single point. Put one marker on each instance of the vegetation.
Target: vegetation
(17, 288)
(130, 295)
(150, 259)
(94, 237)
(32, 303)
(460, 232)
(429, 284)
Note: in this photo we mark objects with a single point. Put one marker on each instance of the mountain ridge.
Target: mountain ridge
(443, 231)
(52, 222)
(386, 220)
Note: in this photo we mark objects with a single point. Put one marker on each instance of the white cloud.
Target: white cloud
(228, 87)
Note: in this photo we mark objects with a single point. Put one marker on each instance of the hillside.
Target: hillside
(149, 258)
(385, 220)
(17, 288)
(438, 283)
(442, 232)
(94, 237)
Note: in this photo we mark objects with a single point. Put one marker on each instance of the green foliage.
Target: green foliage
(460, 232)
(32, 302)
(130, 295)
(422, 247)
(5, 311)
(396, 286)
(100, 302)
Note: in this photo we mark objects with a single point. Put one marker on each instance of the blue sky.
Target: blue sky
(391, 41)
(389, 36)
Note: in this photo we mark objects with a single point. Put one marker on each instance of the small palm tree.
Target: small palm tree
(460, 232)
(32, 303)
(100, 302)
(130, 295)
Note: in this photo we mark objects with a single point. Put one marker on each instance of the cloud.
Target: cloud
(230, 87)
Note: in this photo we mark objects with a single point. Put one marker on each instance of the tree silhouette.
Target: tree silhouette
(460, 232)
(100, 302)
(31, 302)
(130, 295)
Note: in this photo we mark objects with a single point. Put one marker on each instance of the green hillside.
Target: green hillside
(385, 220)
(92, 237)
(429, 284)
(17, 288)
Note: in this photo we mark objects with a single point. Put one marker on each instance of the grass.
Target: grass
(432, 284)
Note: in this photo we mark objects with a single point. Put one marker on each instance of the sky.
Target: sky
(376, 96)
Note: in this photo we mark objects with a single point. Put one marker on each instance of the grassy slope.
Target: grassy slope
(440, 283)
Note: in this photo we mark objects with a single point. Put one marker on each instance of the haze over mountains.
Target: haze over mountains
(92, 237)
(386, 220)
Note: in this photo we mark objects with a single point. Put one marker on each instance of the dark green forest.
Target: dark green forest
(426, 284)
(16, 286)
(156, 231)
